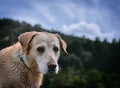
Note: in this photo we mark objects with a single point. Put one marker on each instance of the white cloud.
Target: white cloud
(94, 19)
(44, 11)
(69, 9)
(89, 30)
(36, 13)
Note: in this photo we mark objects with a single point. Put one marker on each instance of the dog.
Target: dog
(23, 64)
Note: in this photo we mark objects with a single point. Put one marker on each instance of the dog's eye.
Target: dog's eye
(41, 49)
(55, 49)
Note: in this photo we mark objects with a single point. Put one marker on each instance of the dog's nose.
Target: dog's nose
(51, 67)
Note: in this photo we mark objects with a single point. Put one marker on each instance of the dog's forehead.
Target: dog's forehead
(45, 37)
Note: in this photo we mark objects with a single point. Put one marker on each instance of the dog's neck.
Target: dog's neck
(21, 58)
(37, 78)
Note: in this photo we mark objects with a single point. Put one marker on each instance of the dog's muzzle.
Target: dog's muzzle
(52, 68)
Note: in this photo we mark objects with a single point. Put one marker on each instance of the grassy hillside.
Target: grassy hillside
(89, 64)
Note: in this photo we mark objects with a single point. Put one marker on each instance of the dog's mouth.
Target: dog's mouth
(51, 71)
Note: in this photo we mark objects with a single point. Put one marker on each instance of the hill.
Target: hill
(89, 64)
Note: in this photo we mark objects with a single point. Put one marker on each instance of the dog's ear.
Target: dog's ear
(62, 43)
(26, 38)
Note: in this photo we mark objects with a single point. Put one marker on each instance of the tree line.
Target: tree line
(89, 64)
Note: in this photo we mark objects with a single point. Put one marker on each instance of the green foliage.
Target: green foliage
(89, 64)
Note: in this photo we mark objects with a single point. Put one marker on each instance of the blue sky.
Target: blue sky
(91, 18)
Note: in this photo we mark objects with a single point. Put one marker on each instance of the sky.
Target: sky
(89, 18)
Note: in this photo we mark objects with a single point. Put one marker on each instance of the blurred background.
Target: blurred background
(90, 28)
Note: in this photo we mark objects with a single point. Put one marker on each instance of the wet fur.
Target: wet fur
(13, 73)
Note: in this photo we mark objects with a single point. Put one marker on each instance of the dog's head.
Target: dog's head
(42, 50)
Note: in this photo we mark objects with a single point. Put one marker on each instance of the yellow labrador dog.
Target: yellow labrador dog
(23, 65)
